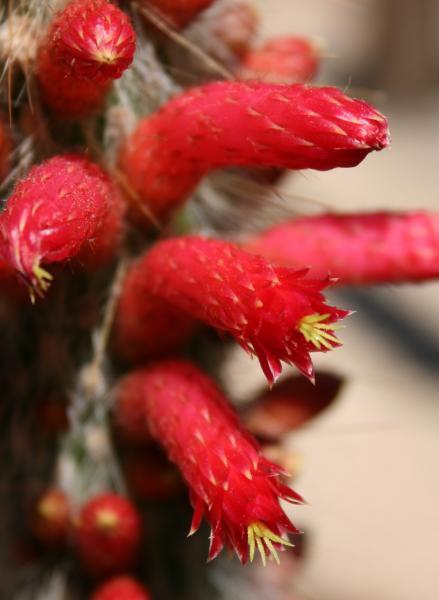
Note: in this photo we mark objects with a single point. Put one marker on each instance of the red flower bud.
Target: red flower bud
(357, 249)
(249, 124)
(108, 534)
(120, 588)
(65, 208)
(89, 43)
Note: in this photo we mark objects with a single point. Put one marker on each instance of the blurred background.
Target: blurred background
(369, 464)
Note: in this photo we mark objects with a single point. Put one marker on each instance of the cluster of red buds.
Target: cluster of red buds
(88, 208)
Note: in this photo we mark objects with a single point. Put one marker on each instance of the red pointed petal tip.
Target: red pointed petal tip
(381, 139)
(216, 543)
(197, 505)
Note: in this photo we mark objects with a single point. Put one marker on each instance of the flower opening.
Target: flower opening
(261, 537)
(315, 331)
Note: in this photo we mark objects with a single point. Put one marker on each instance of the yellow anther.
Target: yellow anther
(314, 331)
(106, 519)
(261, 537)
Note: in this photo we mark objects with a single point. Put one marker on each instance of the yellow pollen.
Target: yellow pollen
(47, 508)
(106, 519)
(315, 331)
(262, 538)
(105, 55)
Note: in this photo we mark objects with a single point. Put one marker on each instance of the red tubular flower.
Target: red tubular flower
(220, 462)
(50, 521)
(146, 327)
(179, 13)
(358, 249)
(236, 26)
(120, 588)
(65, 208)
(289, 59)
(129, 415)
(94, 39)
(108, 534)
(274, 313)
(250, 124)
(89, 43)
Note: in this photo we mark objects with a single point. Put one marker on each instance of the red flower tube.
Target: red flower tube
(358, 249)
(146, 327)
(289, 59)
(249, 124)
(89, 43)
(178, 13)
(236, 25)
(123, 587)
(274, 313)
(220, 462)
(65, 208)
(51, 518)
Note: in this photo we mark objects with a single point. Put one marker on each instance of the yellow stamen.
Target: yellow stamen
(251, 542)
(262, 538)
(105, 56)
(272, 550)
(42, 284)
(314, 331)
(106, 519)
(261, 551)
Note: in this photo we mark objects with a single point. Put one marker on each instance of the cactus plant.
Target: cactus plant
(112, 164)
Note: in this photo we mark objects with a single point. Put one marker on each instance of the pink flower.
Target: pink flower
(274, 313)
(231, 484)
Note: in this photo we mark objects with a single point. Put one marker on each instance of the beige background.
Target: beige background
(371, 464)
